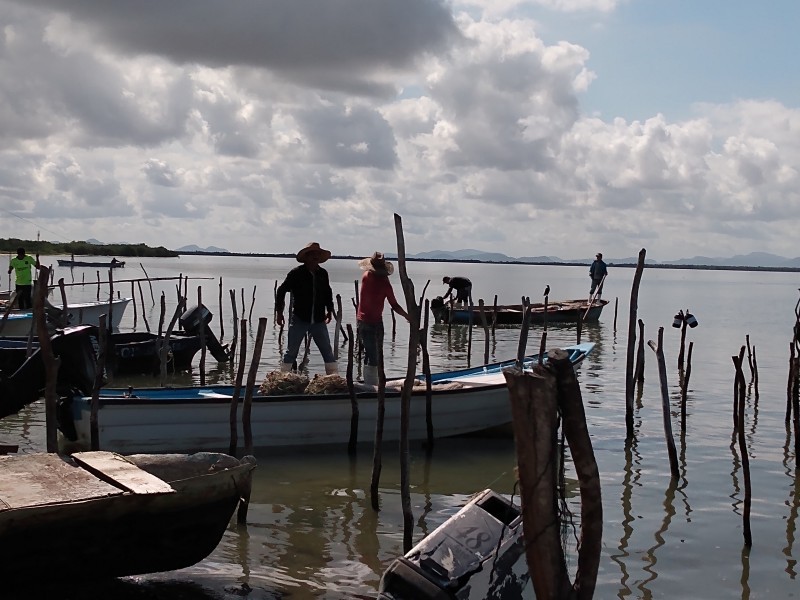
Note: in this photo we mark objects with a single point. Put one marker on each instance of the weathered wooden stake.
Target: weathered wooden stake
(251, 384)
(616, 306)
(351, 388)
(405, 396)
(485, 326)
(634, 307)
(202, 340)
(150, 283)
(662, 373)
(685, 385)
(682, 349)
(237, 387)
(51, 362)
(94, 430)
(144, 317)
(543, 343)
(426, 370)
(221, 318)
(252, 305)
(377, 448)
(639, 370)
(739, 391)
(337, 327)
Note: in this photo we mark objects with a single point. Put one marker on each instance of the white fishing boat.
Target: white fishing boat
(20, 322)
(198, 418)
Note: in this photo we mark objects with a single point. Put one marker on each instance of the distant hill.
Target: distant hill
(752, 260)
(210, 249)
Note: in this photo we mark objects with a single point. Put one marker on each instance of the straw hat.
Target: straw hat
(377, 263)
(313, 248)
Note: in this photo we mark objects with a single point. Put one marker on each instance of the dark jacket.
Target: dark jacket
(598, 269)
(311, 291)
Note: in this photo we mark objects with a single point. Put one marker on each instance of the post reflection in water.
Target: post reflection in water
(793, 502)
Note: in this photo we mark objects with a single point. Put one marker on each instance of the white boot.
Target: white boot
(286, 367)
(332, 368)
(370, 375)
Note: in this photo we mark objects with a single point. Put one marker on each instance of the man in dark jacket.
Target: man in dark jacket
(312, 307)
(597, 272)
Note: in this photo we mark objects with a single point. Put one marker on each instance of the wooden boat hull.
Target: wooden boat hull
(194, 419)
(88, 263)
(19, 323)
(57, 519)
(22, 377)
(567, 311)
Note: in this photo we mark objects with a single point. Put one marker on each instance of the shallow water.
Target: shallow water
(312, 534)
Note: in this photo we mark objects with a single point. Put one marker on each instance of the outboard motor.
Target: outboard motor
(196, 319)
(477, 554)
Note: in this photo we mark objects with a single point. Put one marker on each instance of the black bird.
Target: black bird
(547, 290)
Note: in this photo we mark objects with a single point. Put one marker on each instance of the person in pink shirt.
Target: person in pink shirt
(375, 288)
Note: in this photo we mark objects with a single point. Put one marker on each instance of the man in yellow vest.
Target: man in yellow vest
(22, 264)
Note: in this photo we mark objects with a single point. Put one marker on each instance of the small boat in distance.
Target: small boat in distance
(563, 311)
(96, 515)
(112, 264)
(191, 419)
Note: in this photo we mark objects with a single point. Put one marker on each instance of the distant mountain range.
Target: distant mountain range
(752, 260)
(193, 248)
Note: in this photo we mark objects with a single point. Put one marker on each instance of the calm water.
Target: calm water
(311, 532)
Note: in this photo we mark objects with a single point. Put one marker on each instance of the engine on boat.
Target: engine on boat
(196, 319)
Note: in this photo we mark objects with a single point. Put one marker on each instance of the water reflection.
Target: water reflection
(630, 479)
(650, 557)
(793, 503)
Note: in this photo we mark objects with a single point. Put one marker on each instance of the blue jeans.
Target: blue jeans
(318, 332)
(371, 335)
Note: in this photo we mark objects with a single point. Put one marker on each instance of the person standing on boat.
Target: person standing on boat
(597, 272)
(22, 264)
(312, 307)
(375, 288)
(462, 287)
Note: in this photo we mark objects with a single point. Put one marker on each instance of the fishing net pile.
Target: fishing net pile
(327, 384)
(284, 383)
(279, 383)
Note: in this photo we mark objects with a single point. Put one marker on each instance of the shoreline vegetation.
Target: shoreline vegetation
(10, 245)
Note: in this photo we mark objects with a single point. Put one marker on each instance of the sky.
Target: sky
(526, 127)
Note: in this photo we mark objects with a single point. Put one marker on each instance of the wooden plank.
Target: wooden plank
(118, 470)
(40, 479)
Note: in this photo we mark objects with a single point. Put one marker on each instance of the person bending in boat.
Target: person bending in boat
(462, 287)
(22, 264)
(375, 288)
(312, 307)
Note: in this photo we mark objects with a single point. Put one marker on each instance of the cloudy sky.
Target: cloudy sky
(528, 127)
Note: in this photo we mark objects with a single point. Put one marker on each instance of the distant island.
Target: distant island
(85, 248)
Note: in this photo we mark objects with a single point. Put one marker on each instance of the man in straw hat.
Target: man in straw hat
(375, 288)
(312, 307)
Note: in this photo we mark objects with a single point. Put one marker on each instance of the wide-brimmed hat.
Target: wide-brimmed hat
(377, 263)
(599, 255)
(313, 248)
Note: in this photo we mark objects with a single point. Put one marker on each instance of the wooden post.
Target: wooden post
(755, 374)
(251, 384)
(426, 370)
(662, 373)
(639, 370)
(252, 305)
(221, 319)
(634, 307)
(94, 430)
(523, 333)
(469, 330)
(141, 296)
(616, 306)
(202, 339)
(534, 418)
(235, 322)
(685, 385)
(377, 448)
(485, 326)
(494, 315)
(164, 347)
(683, 339)
(739, 391)
(352, 443)
(576, 433)
(150, 283)
(405, 397)
(543, 343)
(237, 388)
(338, 327)
(133, 298)
(51, 363)
(735, 395)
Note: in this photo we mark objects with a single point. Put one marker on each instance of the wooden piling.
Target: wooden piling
(337, 327)
(634, 307)
(351, 388)
(685, 385)
(252, 305)
(51, 362)
(94, 430)
(203, 348)
(426, 371)
(485, 326)
(662, 373)
(237, 387)
(251, 384)
(739, 399)
(150, 283)
(221, 318)
(377, 447)
(682, 349)
(236, 321)
(164, 341)
(405, 396)
(144, 317)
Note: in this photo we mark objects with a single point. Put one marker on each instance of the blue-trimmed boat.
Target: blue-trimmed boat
(192, 419)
